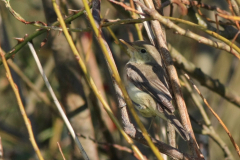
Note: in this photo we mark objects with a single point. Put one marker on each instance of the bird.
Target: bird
(147, 86)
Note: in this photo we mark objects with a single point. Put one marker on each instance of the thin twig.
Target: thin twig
(215, 114)
(208, 128)
(107, 23)
(126, 7)
(137, 26)
(147, 27)
(37, 33)
(64, 117)
(155, 15)
(60, 149)
(23, 112)
(205, 80)
(117, 146)
(39, 83)
(1, 149)
(28, 82)
(40, 24)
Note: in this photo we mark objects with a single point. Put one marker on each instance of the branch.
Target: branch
(64, 117)
(37, 33)
(205, 80)
(215, 114)
(208, 128)
(155, 15)
(175, 84)
(21, 107)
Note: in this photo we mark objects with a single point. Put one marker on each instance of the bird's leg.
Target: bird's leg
(152, 119)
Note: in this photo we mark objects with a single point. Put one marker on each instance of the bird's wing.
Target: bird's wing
(154, 84)
(178, 126)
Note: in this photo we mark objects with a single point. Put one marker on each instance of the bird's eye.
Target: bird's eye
(143, 51)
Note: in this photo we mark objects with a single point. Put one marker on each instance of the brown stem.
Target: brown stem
(162, 46)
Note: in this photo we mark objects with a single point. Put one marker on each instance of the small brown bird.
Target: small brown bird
(147, 85)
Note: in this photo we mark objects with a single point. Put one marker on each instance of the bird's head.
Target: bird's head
(142, 52)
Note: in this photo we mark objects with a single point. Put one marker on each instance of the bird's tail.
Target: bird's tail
(178, 126)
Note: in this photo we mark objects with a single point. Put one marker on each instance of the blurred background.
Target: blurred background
(96, 131)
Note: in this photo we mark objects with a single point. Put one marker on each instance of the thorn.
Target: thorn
(43, 42)
(12, 57)
(25, 36)
(74, 11)
(12, 50)
(20, 40)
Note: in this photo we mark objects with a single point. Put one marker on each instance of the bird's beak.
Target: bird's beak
(126, 43)
(128, 46)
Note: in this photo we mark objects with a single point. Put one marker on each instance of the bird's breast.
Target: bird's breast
(143, 99)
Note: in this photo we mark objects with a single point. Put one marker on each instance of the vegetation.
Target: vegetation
(79, 108)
